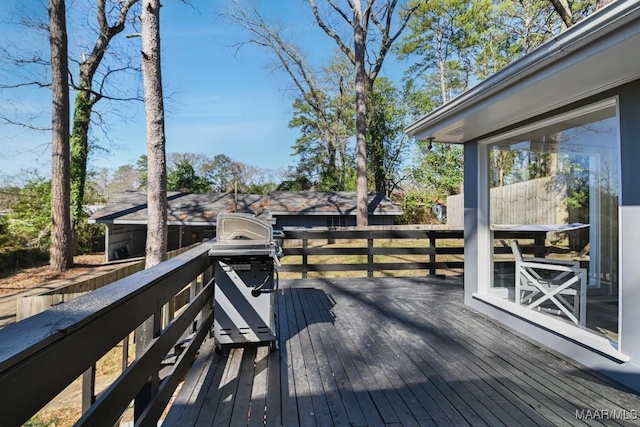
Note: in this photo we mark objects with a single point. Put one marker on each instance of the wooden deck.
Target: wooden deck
(393, 352)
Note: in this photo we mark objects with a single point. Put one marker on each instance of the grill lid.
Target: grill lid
(240, 234)
(243, 229)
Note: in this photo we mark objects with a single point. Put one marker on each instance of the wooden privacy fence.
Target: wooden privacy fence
(538, 201)
(33, 304)
(41, 355)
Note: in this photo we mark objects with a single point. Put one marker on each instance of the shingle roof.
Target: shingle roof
(327, 203)
(192, 208)
(183, 208)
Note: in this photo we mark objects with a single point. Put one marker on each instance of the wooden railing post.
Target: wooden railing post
(305, 257)
(207, 276)
(125, 352)
(193, 291)
(432, 255)
(369, 257)
(539, 242)
(145, 334)
(88, 388)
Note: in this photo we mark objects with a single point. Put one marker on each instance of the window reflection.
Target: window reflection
(554, 191)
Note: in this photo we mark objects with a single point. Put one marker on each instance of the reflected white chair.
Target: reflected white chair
(549, 281)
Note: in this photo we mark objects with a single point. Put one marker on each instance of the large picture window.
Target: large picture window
(554, 217)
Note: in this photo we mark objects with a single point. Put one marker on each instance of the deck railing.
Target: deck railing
(436, 256)
(41, 355)
(368, 236)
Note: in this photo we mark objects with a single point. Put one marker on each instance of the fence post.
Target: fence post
(369, 257)
(432, 254)
(305, 258)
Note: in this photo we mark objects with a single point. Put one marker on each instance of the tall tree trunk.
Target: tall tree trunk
(156, 157)
(61, 239)
(362, 198)
(79, 146)
(85, 100)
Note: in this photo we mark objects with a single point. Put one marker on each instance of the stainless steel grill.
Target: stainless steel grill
(246, 279)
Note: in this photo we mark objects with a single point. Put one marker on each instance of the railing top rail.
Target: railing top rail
(370, 233)
(24, 338)
(419, 227)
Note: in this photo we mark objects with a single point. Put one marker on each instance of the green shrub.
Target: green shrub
(11, 260)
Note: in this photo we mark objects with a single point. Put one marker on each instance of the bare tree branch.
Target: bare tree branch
(343, 47)
(288, 55)
(8, 121)
(563, 10)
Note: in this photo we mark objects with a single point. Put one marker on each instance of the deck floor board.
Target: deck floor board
(391, 352)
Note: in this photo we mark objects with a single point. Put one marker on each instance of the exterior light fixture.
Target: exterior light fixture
(427, 150)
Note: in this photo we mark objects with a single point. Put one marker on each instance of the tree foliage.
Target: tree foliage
(325, 157)
(387, 143)
(417, 207)
(371, 28)
(440, 169)
(97, 67)
(28, 222)
(454, 44)
(92, 87)
(183, 177)
(221, 173)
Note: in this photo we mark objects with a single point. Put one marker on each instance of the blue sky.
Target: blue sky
(221, 102)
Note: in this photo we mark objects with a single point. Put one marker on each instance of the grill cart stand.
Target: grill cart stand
(246, 279)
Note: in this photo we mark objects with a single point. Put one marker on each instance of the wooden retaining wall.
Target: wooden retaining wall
(33, 304)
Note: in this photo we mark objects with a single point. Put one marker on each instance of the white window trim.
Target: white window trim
(485, 239)
(583, 336)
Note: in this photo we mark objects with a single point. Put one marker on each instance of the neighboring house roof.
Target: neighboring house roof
(327, 203)
(183, 208)
(199, 209)
(592, 56)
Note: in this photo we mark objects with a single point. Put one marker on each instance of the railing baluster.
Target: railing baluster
(88, 388)
(193, 291)
(432, 256)
(305, 260)
(369, 257)
(145, 334)
(125, 352)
